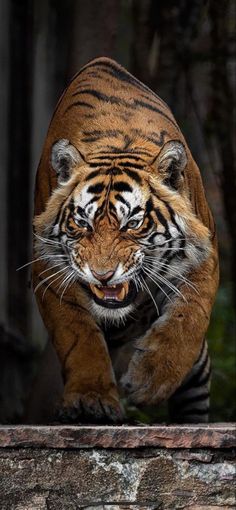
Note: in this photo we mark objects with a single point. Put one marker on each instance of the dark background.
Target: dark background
(185, 51)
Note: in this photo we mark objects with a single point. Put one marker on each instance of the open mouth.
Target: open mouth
(113, 296)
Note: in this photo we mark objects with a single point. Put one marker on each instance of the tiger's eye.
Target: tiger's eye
(132, 224)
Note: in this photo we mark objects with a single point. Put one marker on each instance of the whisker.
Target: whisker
(48, 278)
(47, 240)
(149, 274)
(174, 272)
(173, 248)
(43, 257)
(51, 267)
(49, 285)
(150, 294)
(186, 238)
(70, 279)
(169, 284)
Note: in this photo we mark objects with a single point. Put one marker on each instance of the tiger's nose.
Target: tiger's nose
(103, 277)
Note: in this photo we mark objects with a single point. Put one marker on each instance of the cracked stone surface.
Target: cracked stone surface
(172, 436)
(35, 475)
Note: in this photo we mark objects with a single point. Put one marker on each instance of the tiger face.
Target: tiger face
(120, 227)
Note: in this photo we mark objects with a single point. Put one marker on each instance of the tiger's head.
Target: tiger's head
(118, 226)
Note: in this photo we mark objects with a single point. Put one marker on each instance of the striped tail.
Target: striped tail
(190, 402)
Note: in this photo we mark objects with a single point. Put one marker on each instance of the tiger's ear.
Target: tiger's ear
(64, 156)
(171, 162)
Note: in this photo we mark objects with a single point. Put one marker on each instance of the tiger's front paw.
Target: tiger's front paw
(90, 407)
(147, 380)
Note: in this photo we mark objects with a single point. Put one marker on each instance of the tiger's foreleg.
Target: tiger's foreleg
(90, 391)
(191, 401)
(166, 354)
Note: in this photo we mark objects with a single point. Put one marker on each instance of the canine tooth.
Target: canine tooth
(126, 287)
(121, 294)
(97, 291)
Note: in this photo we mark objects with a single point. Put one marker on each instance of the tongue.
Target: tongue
(117, 292)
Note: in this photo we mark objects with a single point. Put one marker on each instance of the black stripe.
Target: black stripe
(79, 103)
(195, 382)
(63, 217)
(100, 211)
(121, 156)
(161, 218)
(172, 216)
(94, 165)
(81, 211)
(143, 104)
(112, 210)
(136, 210)
(103, 133)
(156, 138)
(96, 188)
(194, 378)
(201, 352)
(71, 205)
(122, 75)
(158, 142)
(127, 141)
(191, 398)
(94, 199)
(114, 171)
(127, 164)
(122, 199)
(121, 186)
(59, 213)
(146, 228)
(102, 97)
(133, 175)
(149, 205)
(90, 139)
(93, 174)
(118, 100)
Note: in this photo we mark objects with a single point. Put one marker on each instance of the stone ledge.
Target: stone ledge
(157, 436)
(117, 468)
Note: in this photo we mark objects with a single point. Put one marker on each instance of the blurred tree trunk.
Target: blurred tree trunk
(221, 118)
(162, 45)
(95, 29)
(18, 175)
(144, 26)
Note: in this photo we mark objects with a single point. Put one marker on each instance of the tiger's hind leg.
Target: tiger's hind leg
(190, 402)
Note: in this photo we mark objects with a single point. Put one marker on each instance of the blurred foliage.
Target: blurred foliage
(222, 347)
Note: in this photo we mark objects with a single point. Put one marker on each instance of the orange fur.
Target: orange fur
(168, 350)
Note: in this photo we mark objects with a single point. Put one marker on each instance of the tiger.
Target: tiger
(125, 266)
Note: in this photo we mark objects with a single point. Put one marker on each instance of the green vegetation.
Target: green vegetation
(222, 346)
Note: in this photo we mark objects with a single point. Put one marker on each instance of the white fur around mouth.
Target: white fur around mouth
(111, 292)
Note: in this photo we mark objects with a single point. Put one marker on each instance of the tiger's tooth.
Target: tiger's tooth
(126, 287)
(121, 294)
(97, 291)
